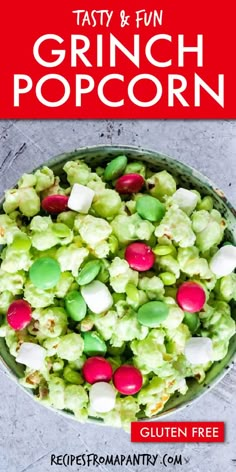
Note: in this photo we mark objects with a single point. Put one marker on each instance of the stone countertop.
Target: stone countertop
(31, 433)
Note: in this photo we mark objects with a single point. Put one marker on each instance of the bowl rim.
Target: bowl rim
(59, 158)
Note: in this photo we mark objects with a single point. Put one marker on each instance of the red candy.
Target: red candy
(127, 380)
(191, 297)
(55, 204)
(129, 183)
(97, 369)
(139, 256)
(19, 314)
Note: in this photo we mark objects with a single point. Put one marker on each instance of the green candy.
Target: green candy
(45, 273)
(89, 272)
(150, 208)
(75, 306)
(192, 321)
(151, 314)
(115, 168)
(93, 344)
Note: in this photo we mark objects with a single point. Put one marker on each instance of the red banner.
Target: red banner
(182, 431)
(109, 59)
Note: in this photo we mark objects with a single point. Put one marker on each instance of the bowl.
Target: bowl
(188, 177)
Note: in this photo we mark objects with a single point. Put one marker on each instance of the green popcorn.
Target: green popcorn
(56, 387)
(76, 397)
(148, 352)
(13, 283)
(58, 365)
(176, 225)
(5, 300)
(78, 172)
(123, 414)
(70, 347)
(52, 322)
(107, 204)
(175, 316)
(8, 229)
(128, 328)
(170, 264)
(153, 286)
(161, 184)
(31, 379)
(131, 228)
(78, 363)
(67, 218)
(136, 167)
(64, 285)
(121, 275)
(227, 288)
(206, 203)
(178, 336)
(27, 180)
(209, 228)
(191, 264)
(42, 236)
(44, 179)
(72, 376)
(219, 326)
(14, 261)
(95, 233)
(106, 324)
(71, 257)
(36, 297)
(26, 199)
(51, 346)
(153, 396)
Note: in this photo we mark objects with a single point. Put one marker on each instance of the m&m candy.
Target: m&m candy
(75, 305)
(102, 397)
(150, 208)
(97, 369)
(129, 183)
(128, 380)
(191, 297)
(94, 344)
(55, 204)
(45, 272)
(19, 314)
(151, 314)
(139, 256)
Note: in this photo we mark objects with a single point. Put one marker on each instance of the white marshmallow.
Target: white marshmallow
(186, 200)
(32, 355)
(102, 397)
(224, 261)
(81, 198)
(199, 350)
(97, 296)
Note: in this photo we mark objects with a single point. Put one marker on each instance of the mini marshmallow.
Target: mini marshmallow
(199, 350)
(32, 355)
(102, 397)
(186, 200)
(224, 261)
(81, 198)
(97, 296)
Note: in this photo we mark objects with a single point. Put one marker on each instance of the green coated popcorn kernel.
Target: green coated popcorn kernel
(161, 184)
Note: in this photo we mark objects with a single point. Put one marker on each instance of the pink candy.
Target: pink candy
(97, 369)
(127, 380)
(129, 183)
(19, 314)
(139, 256)
(191, 297)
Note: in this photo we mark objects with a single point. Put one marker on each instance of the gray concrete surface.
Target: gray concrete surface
(29, 434)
